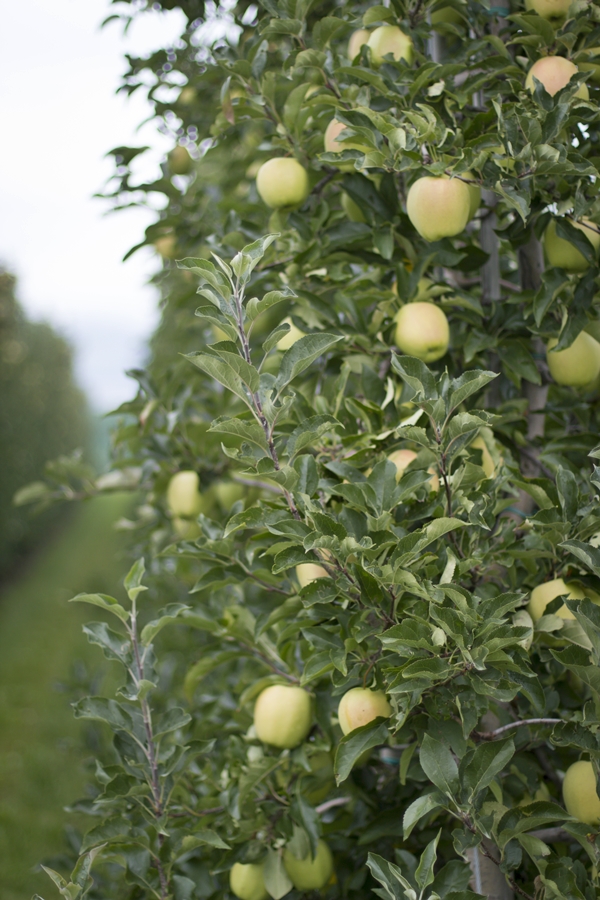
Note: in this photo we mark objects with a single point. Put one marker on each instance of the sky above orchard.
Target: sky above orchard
(59, 73)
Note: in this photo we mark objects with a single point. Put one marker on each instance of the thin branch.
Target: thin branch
(489, 735)
(332, 804)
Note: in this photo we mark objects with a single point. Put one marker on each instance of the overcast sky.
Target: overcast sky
(60, 116)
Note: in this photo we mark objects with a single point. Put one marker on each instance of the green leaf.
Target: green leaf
(222, 372)
(255, 307)
(244, 262)
(467, 385)
(104, 602)
(417, 376)
(238, 364)
(310, 431)
(487, 761)
(424, 872)
(201, 837)
(306, 816)
(439, 765)
(302, 354)
(588, 555)
(277, 880)
(242, 428)
(172, 720)
(170, 613)
(208, 273)
(114, 645)
(104, 710)
(419, 808)
(133, 580)
(355, 743)
(113, 831)
(206, 665)
(576, 236)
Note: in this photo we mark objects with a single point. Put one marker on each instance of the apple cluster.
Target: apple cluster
(441, 206)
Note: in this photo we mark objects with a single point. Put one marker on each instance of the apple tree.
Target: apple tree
(364, 656)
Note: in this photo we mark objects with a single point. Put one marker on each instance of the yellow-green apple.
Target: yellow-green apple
(554, 72)
(438, 207)
(228, 493)
(576, 366)
(282, 716)
(360, 706)
(555, 11)
(422, 330)
(542, 595)
(309, 874)
(390, 39)
(247, 881)
(580, 793)
(282, 182)
(166, 246)
(293, 335)
(185, 503)
(561, 252)
(487, 463)
(357, 39)
(306, 573)
(180, 161)
(352, 209)
(403, 458)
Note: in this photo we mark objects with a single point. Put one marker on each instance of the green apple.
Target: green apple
(555, 11)
(183, 495)
(390, 39)
(282, 716)
(542, 595)
(352, 209)
(580, 793)
(438, 207)
(289, 339)
(422, 330)
(357, 40)
(180, 161)
(360, 706)
(576, 366)
(562, 253)
(282, 182)
(306, 573)
(166, 246)
(228, 493)
(554, 72)
(403, 458)
(309, 874)
(247, 881)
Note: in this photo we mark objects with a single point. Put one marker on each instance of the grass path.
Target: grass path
(41, 756)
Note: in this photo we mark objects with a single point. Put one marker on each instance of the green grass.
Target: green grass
(41, 752)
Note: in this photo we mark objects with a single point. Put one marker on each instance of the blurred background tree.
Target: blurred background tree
(43, 415)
